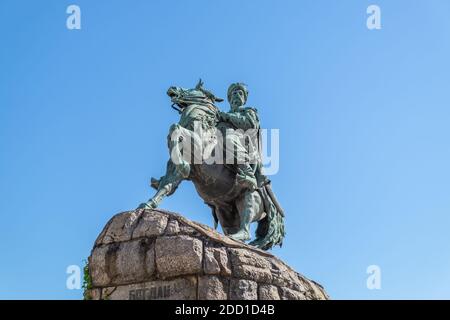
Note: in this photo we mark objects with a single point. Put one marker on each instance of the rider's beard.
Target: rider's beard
(236, 103)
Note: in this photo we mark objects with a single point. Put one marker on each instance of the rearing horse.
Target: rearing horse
(232, 206)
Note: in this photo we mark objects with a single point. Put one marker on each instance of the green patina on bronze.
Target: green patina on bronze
(238, 194)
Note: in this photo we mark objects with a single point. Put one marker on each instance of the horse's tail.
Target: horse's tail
(270, 231)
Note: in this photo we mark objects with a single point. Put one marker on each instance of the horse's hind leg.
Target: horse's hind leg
(250, 208)
(228, 218)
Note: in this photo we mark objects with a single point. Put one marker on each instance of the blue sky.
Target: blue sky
(363, 117)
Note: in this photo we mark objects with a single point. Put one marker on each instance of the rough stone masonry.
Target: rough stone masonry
(156, 254)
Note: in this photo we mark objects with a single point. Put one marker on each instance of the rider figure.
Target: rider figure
(243, 118)
(249, 175)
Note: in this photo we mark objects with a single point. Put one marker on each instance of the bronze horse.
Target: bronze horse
(215, 182)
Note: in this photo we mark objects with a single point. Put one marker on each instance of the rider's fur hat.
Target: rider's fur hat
(237, 85)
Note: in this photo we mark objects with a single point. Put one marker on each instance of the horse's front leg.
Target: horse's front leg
(164, 186)
(178, 169)
(153, 202)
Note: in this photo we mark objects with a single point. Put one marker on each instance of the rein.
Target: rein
(180, 111)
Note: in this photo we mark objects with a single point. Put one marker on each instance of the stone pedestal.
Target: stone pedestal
(156, 254)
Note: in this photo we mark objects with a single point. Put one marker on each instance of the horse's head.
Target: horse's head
(198, 95)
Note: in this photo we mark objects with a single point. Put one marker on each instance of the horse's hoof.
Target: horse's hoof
(261, 244)
(143, 205)
(148, 205)
(240, 236)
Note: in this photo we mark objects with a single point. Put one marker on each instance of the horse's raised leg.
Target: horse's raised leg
(156, 199)
(165, 186)
(177, 170)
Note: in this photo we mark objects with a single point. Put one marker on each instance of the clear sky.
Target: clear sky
(363, 116)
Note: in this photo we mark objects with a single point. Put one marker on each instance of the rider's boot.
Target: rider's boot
(246, 176)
